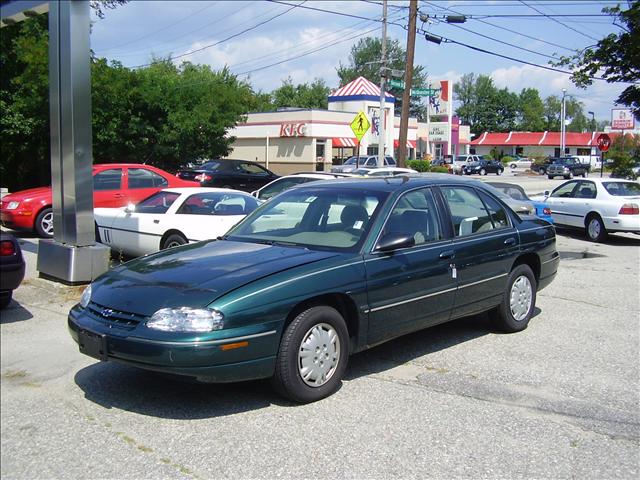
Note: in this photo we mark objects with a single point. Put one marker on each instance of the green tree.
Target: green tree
(464, 92)
(616, 58)
(364, 61)
(304, 95)
(530, 111)
(552, 105)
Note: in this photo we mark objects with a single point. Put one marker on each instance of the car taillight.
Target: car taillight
(629, 209)
(546, 211)
(7, 248)
(203, 177)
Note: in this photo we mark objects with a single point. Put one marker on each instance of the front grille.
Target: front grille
(112, 317)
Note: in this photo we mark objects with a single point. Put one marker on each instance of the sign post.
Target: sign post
(359, 126)
(604, 142)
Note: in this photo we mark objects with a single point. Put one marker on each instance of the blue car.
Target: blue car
(516, 192)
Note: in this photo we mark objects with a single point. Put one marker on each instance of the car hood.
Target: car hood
(30, 194)
(194, 275)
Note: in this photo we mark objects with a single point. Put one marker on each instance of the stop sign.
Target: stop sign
(604, 142)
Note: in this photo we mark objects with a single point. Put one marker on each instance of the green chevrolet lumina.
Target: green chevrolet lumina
(318, 273)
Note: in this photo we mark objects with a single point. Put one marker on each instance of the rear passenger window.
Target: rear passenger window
(108, 180)
(496, 211)
(143, 178)
(468, 212)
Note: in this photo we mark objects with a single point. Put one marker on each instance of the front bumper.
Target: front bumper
(17, 219)
(210, 360)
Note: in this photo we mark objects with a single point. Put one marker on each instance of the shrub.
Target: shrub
(439, 169)
(419, 165)
(507, 159)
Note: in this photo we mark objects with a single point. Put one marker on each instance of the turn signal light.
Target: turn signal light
(231, 346)
(629, 209)
(7, 248)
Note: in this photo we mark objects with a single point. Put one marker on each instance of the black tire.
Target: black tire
(288, 380)
(5, 299)
(550, 177)
(570, 176)
(499, 172)
(543, 171)
(483, 171)
(522, 303)
(174, 240)
(513, 166)
(584, 174)
(44, 223)
(595, 229)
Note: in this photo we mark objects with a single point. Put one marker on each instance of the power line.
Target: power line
(229, 37)
(552, 17)
(505, 28)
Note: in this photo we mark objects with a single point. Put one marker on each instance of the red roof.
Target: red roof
(535, 138)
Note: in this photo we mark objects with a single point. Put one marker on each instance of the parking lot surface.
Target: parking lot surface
(558, 400)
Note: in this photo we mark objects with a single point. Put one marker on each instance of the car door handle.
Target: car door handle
(118, 195)
(156, 221)
(510, 241)
(447, 254)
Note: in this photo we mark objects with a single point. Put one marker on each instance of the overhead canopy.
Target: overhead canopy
(17, 11)
(344, 142)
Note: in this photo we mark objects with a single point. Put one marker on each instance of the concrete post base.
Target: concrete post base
(71, 264)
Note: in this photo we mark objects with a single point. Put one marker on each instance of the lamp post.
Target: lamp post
(563, 114)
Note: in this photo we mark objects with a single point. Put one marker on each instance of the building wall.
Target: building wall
(284, 155)
(533, 151)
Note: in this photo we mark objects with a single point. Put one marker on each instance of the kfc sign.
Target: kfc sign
(293, 129)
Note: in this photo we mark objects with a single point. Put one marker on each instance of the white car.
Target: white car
(597, 205)
(171, 217)
(383, 171)
(458, 165)
(281, 184)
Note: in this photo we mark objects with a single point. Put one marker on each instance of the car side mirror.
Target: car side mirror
(547, 193)
(130, 208)
(395, 241)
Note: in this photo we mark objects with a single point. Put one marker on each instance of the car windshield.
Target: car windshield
(281, 185)
(352, 160)
(622, 189)
(157, 203)
(514, 191)
(316, 218)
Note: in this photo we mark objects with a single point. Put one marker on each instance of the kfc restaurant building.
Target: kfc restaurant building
(297, 140)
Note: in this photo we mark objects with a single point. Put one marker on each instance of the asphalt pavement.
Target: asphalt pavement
(558, 400)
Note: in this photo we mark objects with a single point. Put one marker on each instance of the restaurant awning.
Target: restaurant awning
(344, 142)
(410, 143)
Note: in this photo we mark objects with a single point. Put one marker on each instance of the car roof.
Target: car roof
(399, 182)
(192, 190)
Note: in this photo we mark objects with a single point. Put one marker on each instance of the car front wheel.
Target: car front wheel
(313, 355)
(499, 172)
(483, 171)
(44, 223)
(596, 231)
(515, 310)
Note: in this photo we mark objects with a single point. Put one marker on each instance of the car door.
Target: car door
(580, 203)
(141, 183)
(253, 176)
(484, 247)
(561, 204)
(139, 231)
(410, 288)
(108, 188)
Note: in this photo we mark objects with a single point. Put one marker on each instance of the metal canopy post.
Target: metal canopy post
(73, 256)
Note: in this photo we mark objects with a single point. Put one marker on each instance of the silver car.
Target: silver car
(353, 163)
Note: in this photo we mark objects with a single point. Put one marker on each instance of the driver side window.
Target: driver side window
(565, 191)
(415, 215)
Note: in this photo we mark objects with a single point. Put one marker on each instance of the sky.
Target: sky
(267, 41)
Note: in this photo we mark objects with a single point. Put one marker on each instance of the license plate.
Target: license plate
(93, 344)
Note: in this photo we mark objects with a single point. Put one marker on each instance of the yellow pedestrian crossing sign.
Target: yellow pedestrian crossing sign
(360, 125)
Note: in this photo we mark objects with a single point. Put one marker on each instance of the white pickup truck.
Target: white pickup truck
(462, 160)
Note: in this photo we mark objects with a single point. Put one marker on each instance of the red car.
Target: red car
(114, 185)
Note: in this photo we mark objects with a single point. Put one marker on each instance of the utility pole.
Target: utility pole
(408, 80)
(382, 116)
(563, 114)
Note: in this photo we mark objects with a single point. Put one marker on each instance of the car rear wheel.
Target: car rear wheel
(174, 240)
(519, 301)
(44, 223)
(313, 355)
(596, 231)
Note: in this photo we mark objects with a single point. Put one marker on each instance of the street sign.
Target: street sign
(604, 142)
(423, 92)
(397, 73)
(396, 83)
(360, 125)
(622, 119)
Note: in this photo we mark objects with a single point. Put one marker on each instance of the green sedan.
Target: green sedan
(318, 273)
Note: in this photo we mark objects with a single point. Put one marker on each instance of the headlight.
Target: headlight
(13, 205)
(86, 297)
(185, 319)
